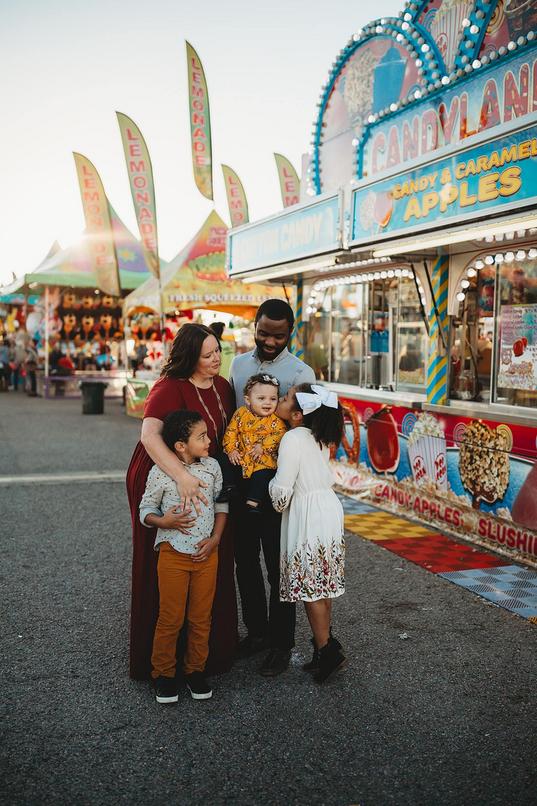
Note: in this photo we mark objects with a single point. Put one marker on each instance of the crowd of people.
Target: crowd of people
(197, 529)
(18, 365)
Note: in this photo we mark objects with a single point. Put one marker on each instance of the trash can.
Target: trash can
(92, 396)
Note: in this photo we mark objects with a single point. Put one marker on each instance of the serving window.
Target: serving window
(516, 341)
(369, 333)
(493, 337)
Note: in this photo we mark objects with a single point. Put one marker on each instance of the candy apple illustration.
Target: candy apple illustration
(518, 347)
(524, 509)
(383, 441)
(352, 451)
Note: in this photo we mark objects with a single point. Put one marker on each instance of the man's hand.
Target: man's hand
(205, 548)
(257, 451)
(234, 457)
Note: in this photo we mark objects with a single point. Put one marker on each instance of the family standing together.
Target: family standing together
(224, 471)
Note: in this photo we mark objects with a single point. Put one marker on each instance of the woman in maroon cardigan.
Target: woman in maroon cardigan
(189, 380)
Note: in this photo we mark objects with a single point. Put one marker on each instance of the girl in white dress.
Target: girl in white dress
(312, 549)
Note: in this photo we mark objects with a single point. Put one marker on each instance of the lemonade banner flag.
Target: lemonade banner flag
(236, 197)
(98, 226)
(289, 181)
(200, 124)
(142, 189)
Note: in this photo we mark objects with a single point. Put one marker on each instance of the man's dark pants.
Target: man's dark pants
(256, 532)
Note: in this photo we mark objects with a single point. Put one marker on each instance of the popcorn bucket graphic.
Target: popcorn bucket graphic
(446, 28)
(427, 452)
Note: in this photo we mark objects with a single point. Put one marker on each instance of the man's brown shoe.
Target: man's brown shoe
(276, 662)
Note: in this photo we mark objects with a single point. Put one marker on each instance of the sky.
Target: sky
(68, 65)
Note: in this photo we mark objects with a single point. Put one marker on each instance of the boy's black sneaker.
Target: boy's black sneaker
(198, 686)
(166, 689)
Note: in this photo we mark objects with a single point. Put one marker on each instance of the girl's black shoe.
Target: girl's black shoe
(313, 664)
(331, 658)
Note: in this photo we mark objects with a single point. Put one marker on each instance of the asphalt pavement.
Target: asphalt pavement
(444, 717)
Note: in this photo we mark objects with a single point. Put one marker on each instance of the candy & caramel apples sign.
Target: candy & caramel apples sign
(469, 184)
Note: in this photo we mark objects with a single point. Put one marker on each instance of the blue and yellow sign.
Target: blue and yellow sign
(499, 174)
(310, 230)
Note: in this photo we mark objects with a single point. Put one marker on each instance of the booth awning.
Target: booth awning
(197, 278)
(72, 267)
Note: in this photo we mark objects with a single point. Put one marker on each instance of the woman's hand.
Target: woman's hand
(189, 489)
(234, 457)
(205, 548)
(176, 518)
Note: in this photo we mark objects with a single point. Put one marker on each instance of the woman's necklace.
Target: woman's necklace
(220, 406)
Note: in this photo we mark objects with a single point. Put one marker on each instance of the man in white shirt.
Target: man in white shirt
(274, 324)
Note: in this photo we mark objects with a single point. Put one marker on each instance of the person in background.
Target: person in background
(30, 365)
(16, 362)
(274, 631)
(227, 347)
(4, 365)
(104, 360)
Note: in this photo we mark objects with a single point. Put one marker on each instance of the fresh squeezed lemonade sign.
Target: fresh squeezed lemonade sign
(468, 184)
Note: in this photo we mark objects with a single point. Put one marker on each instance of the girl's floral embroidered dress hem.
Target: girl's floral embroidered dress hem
(312, 544)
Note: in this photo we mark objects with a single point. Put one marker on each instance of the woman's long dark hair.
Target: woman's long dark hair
(186, 351)
(326, 424)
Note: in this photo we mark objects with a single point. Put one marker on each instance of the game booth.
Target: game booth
(414, 255)
(77, 328)
(195, 281)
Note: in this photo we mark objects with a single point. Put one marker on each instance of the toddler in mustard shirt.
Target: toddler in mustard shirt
(253, 436)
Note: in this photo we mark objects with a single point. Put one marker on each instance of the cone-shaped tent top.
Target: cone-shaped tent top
(54, 249)
(72, 267)
(197, 278)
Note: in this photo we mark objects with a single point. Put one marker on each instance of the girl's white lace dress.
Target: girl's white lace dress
(312, 564)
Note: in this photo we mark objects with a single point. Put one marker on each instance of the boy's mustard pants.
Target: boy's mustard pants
(186, 589)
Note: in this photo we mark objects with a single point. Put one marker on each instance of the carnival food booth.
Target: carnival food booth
(415, 262)
(77, 328)
(195, 281)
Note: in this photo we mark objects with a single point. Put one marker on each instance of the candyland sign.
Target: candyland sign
(475, 182)
(491, 98)
(304, 231)
(468, 477)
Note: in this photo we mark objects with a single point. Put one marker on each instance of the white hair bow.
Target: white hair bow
(319, 396)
